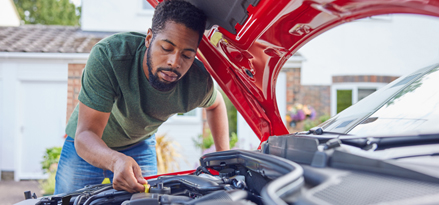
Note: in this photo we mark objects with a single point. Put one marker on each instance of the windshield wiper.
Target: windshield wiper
(320, 131)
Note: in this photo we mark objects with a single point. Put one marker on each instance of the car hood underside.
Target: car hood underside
(249, 41)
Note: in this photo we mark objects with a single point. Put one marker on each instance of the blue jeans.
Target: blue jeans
(75, 173)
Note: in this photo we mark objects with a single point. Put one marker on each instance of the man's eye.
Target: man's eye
(187, 57)
(166, 49)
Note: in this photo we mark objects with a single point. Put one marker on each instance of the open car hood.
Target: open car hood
(247, 45)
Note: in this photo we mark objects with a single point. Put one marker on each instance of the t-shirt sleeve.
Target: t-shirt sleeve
(98, 85)
(210, 96)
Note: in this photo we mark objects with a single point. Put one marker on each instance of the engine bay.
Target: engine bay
(327, 174)
(230, 177)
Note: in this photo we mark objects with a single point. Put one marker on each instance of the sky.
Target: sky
(76, 2)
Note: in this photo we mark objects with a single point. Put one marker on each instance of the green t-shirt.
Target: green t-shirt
(114, 81)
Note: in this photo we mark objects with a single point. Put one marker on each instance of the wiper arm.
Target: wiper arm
(316, 131)
(319, 131)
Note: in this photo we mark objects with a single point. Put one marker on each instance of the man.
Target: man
(131, 84)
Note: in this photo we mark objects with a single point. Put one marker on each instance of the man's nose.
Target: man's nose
(174, 61)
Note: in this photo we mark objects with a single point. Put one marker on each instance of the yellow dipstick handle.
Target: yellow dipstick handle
(147, 186)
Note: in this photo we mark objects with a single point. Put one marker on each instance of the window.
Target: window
(344, 99)
(344, 95)
(364, 92)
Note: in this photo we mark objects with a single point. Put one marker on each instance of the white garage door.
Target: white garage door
(42, 118)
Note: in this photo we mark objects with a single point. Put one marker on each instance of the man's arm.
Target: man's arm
(217, 119)
(90, 146)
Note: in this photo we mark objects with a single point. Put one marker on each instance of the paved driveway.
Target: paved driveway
(12, 192)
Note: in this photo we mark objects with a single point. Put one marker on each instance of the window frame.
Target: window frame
(354, 86)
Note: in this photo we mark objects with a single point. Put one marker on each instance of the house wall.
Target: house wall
(8, 14)
(33, 101)
(391, 45)
(33, 93)
(115, 15)
(314, 95)
(74, 86)
(1, 120)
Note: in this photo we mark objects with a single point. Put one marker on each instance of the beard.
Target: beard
(154, 80)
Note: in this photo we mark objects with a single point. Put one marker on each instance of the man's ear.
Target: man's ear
(148, 38)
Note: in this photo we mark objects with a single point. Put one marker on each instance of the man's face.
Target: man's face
(170, 54)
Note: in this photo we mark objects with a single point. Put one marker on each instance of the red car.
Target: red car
(244, 49)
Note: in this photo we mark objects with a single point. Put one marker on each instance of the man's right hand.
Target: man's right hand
(90, 146)
(127, 174)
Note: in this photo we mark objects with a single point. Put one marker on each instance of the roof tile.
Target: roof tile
(48, 39)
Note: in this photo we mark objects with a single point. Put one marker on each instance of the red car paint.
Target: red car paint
(246, 65)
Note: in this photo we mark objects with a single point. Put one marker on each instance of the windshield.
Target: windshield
(415, 108)
(409, 105)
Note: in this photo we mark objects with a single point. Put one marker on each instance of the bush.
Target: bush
(313, 123)
(206, 142)
(49, 166)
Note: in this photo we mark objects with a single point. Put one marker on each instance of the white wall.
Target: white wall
(1, 119)
(384, 45)
(115, 15)
(8, 14)
(33, 103)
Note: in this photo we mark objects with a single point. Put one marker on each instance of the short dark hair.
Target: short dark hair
(181, 12)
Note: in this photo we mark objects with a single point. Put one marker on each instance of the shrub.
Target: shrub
(49, 166)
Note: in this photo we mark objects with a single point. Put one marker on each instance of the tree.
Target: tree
(48, 12)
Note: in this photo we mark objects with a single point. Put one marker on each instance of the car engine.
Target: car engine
(231, 177)
(330, 172)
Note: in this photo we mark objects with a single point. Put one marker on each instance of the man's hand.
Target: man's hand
(90, 146)
(127, 175)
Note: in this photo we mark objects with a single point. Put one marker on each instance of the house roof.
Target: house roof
(48, 39)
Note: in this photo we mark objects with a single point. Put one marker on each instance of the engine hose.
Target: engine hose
(78, 200)
(103, 195)
(85, 195)
(102, 189)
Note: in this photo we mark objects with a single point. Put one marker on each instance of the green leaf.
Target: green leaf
(48, 12)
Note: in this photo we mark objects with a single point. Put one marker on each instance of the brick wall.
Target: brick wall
(293, 84)
(316, 96)
(319, 97)
(73, 87)
(363, 78)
